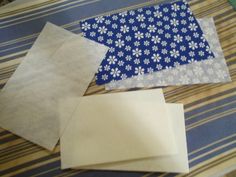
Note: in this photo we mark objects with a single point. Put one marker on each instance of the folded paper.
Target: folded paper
(117, 127)
(171, 163)
(59, 64)
(146, 40)
(208, 71)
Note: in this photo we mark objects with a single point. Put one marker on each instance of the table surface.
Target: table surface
(22, 158)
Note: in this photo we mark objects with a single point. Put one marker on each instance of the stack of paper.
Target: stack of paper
(157, 46)
(134, 131)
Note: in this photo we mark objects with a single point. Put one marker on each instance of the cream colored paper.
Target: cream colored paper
(172, 163)
(60, 64)
(117, 127)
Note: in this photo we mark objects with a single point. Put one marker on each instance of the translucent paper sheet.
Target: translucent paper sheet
(117, 127)
(60, 64)
(208, 71)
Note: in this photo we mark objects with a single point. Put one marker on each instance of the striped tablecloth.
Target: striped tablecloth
(210, 109)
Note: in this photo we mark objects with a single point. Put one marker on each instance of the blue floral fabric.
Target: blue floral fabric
(147, 40)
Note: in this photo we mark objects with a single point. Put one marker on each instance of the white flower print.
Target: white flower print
(115, 72)
(109, 33)
(182, 14)
(192, 45)
(127, 48)
(184, 30)
(131, 12)
(183, 22)
(166, 9)
(173, 14)
(120, 63)
(114, 17)
(146, 52)
(122, 20)
(95, 26)
(175, 30)
(139, 70)
(157, 14)
(118, 35)
(191, 54)
(86, 26)
(120, 43)
(92, 34)
(182, 48)
(100, 38)
(201, 44)
(166, 18)
(173, 45)
(108, 22)
(156, 39)
(136, 61)
(123, 76)
(146, 61)
(183, 58)
(168, 35)
(150, 19)
(159, 66)
(154, 48)
(102, 30)
(167, 27)
(120, 54)
(104, 77)
(128, 58)
(163, 43)
(112, 49)
(178, 38)
(128, 67)
(107, 67)
(164, 51)
(134, 28)
(174, 22)
(131, 21)
(140, 17)
(112, 60)
(175, 7)
(137, 52)
(201, 53)
(100, 19)
(136, 43)
(167, 59)
(148, 12)
(146, 43)
(150, 70)
(196, 35)
(128, 38)
(192, 27)
(174, 53)
(124, 29)
(188, 38)
(109, 41)
(143, 25)
(138, 35)
(156, 57)
(147, 35)
(114, 26)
